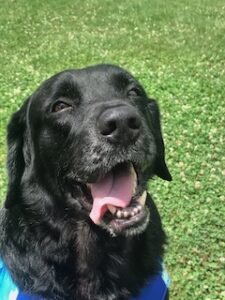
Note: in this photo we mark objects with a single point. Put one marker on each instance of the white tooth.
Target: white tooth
(112, 209)
(125, 214)
(119, 214)
(135, 210)
(142, 199)
(134, 177)
(139, 206)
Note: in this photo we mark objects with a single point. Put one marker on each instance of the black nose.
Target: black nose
(120, 124)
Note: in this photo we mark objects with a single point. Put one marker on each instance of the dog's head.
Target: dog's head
(87, 141)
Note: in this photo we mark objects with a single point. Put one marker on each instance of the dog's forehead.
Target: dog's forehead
(100, 82)
(94, 80)
(103, 74)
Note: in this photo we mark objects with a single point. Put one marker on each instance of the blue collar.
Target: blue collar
(156, 288)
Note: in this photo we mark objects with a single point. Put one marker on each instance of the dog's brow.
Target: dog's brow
(121, 80)
(68, 89)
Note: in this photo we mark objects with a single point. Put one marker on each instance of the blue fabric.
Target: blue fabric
(22, 296)
(156, 289)
(8, 289)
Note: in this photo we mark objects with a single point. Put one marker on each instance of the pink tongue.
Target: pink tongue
(113, 189)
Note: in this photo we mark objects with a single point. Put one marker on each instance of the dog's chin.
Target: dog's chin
(107, 204)
(129, 226)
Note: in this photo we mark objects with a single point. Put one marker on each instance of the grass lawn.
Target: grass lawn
(177, 50)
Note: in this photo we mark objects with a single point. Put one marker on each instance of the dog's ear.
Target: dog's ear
(15, 158)
(160, 167)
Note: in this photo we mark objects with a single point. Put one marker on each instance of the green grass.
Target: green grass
(177, 50)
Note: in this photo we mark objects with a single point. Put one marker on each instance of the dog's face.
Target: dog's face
(89, 139)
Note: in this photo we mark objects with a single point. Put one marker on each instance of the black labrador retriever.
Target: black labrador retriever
(78, 223)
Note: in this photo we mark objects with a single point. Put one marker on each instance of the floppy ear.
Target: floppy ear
(15, 158)
(160, 167)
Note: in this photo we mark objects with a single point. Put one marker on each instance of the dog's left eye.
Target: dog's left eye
(134, 92)
(59, 106)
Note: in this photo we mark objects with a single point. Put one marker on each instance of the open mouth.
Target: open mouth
(118, 202)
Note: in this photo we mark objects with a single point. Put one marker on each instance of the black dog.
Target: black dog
(75, 223)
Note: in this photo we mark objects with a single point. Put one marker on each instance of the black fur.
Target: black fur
(48, 241)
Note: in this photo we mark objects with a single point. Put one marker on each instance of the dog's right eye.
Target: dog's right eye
(59, 106)
(134, 92)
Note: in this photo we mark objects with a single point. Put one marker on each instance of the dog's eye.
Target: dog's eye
(134, 92)
(59, 106)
